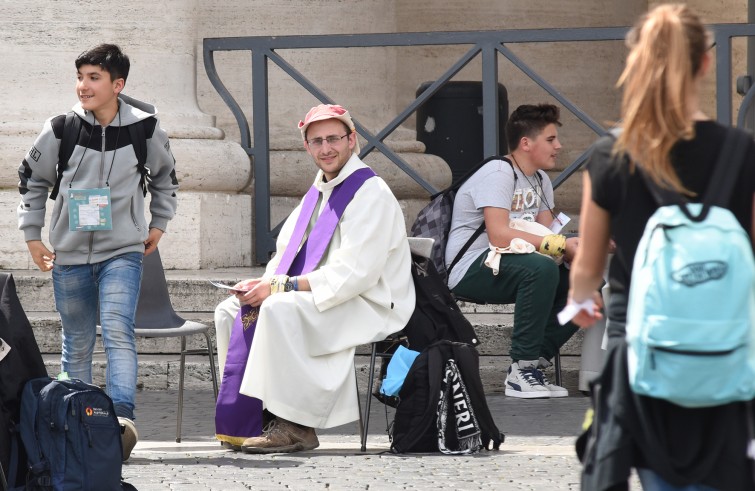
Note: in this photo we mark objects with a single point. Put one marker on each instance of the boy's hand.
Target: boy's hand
(41, 255)
(151, 243)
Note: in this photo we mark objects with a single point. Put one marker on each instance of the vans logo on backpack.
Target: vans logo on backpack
(696, 273)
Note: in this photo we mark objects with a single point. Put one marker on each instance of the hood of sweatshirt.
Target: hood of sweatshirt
(130, 111)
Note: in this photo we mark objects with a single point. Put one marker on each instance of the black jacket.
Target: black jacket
(683, 445)
(22, 363)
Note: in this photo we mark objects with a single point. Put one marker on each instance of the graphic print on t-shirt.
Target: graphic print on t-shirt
(525, 204)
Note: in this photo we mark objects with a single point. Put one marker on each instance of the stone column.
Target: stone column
(38, 49)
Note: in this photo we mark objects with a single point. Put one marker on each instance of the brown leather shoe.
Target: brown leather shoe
(281, 436)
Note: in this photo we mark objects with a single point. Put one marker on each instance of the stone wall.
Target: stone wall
(39, 41)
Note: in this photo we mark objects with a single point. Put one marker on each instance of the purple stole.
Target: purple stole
(237, 416)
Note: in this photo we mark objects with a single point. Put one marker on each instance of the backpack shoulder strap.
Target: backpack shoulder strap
(456, 185)
(728, 166)
(466, 246)
(68, 141)
(139, 142)
(661, 196)
(481, 228)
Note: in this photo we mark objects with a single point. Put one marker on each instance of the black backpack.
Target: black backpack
(436, 314)
(416, 426)
(20, 361)
(70, 138)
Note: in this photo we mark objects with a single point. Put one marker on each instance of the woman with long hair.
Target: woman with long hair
(665, 134)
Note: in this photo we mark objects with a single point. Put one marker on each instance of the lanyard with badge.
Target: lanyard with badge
(91, 209)
(560, 220)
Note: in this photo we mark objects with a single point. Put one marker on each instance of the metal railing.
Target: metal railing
(486, 44)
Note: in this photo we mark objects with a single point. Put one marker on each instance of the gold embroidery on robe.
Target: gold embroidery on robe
(248, 319)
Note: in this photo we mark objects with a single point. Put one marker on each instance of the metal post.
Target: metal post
(490, 130)
(264, 243)
(750, 122)
(723, 78)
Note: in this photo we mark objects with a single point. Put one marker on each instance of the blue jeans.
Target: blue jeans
(113, 286)
(651, 481)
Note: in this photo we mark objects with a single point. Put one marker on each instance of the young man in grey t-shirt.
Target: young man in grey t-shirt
(516, 187)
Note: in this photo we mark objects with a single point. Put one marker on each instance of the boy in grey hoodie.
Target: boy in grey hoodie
(98, 231)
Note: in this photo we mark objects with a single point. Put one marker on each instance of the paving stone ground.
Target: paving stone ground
(538, 453)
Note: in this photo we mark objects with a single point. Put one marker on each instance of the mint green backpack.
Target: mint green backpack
(691, 313)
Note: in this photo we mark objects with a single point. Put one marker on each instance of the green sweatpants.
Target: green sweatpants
(538, 287)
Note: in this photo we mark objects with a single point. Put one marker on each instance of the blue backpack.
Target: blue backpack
(691, 313)
(71, 435)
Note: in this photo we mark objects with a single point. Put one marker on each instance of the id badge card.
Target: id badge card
(89, 210)
(559, 222)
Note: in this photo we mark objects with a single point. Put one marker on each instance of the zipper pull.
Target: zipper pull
(652, 359)
(89, 435)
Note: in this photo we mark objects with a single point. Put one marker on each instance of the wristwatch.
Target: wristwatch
(288, 286)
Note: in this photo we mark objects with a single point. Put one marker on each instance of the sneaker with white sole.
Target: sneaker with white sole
(129, 436)
(525, 383)
(555, 390)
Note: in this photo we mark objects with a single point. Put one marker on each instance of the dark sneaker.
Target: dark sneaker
(129, 436)
(391, 401)
(525, 383)
(281, 436)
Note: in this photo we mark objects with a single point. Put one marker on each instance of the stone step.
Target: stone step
(158, 372)
(195, 299)
(493, 330)
(190, 291)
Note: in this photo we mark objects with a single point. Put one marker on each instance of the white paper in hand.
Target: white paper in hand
(572, 309)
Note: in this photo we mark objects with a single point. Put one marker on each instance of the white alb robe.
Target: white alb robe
(301, 360)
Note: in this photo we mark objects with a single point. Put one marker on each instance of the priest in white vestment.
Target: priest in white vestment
(300, 363)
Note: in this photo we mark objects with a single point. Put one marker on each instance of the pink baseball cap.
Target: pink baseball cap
(328, 111)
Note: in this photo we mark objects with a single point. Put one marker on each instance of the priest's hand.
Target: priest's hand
(258, 291)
